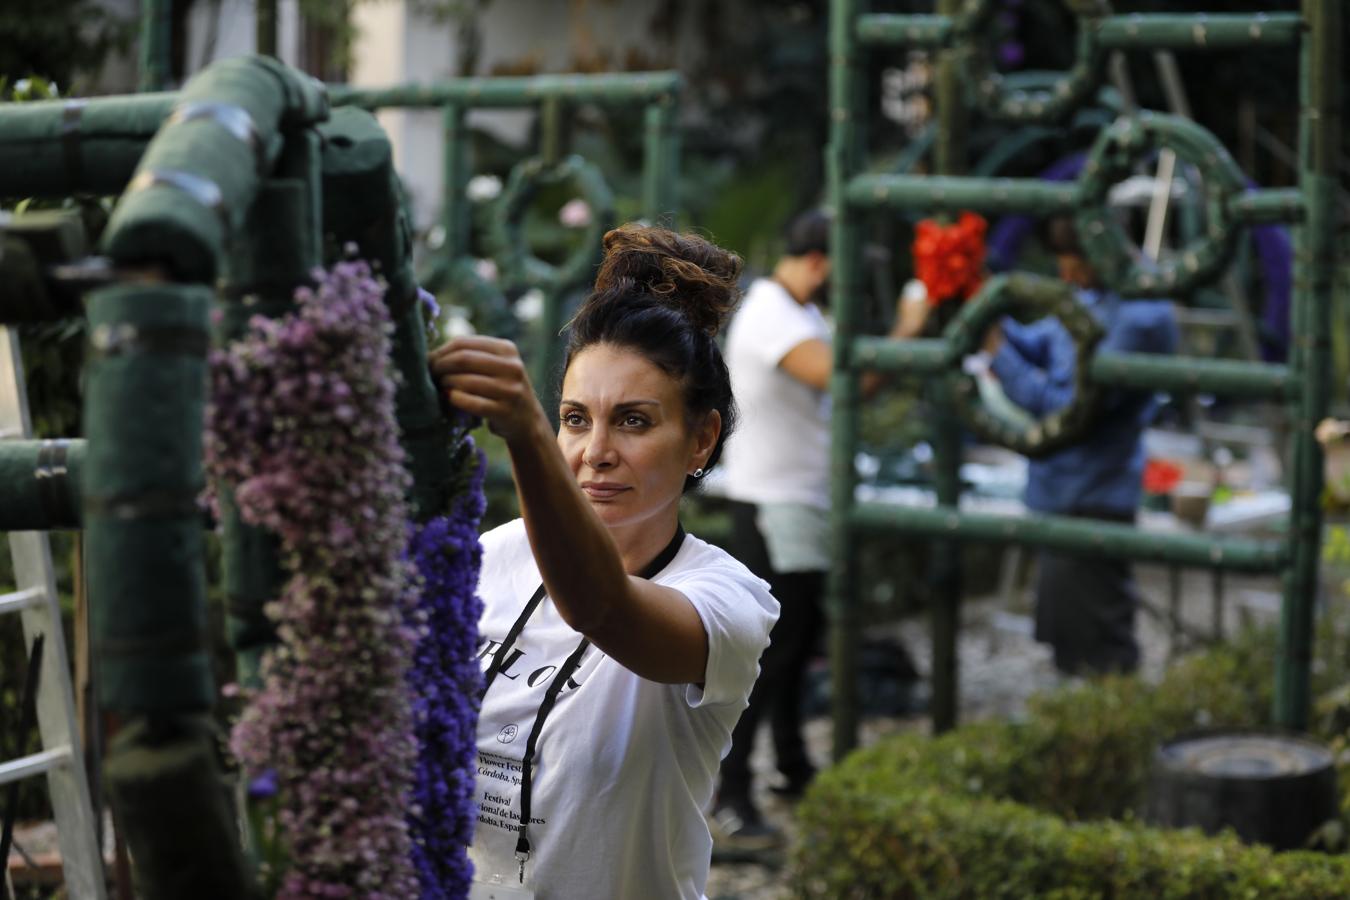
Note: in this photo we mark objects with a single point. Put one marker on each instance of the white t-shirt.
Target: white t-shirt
(780, 451)
(624, 766)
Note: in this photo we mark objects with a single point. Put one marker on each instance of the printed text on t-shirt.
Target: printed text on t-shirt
(501, 808)
(515, 664)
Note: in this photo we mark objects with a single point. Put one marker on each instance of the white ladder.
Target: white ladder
(38, 607)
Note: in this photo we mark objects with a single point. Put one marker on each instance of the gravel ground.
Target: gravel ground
(1000, 667)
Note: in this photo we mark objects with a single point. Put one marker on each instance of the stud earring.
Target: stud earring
(698, 473)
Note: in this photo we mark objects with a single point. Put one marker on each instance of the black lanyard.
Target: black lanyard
(555, 687)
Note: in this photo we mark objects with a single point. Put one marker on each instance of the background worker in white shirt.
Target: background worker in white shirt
(777, 475)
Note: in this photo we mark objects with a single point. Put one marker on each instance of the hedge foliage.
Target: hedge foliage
(1044, 807)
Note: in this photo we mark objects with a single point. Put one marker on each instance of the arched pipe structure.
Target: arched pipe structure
(233, 189)
(363, 208)
(238, 135)
(63, 147)
(237, 140)
(67, 146)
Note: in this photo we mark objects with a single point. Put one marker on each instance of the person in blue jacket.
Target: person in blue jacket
(1085, 607)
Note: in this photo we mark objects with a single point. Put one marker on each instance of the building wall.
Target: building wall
(217, 29)
(120, 72)
(223, 28)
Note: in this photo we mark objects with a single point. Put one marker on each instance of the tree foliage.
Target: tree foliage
(59, 40)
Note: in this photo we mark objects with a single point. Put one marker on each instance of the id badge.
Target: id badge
(483, 891)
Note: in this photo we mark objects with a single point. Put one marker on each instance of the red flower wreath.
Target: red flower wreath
(949, 260)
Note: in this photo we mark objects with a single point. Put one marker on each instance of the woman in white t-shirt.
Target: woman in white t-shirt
(618, 651)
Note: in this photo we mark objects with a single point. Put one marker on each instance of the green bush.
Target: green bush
(864, 837)
(1029, 809)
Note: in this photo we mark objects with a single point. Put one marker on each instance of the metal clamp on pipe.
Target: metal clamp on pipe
(40, 484)
(203, 191)
(123, 339)
(229, 116)
(52, 473)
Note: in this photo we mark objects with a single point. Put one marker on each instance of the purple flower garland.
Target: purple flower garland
(444, 681)
(302, 425)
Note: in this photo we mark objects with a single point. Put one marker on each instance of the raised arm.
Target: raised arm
(653, 631)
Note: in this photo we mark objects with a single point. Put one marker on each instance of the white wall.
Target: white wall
(219, 29)
(120, 72)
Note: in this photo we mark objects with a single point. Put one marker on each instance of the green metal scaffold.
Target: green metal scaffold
(231, 192)
(964, 80)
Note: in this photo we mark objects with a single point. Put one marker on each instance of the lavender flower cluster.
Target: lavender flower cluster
(302, 426)
(444, 681)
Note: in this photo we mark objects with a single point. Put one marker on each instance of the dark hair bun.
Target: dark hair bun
(691, 274)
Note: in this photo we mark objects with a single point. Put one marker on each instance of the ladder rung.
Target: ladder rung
(20, 600)
(36, 764)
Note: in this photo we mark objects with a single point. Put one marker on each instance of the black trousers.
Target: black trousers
(782, 668)
(1085, 609)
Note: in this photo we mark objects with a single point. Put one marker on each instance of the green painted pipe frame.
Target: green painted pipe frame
(200, 178)
(238, 139)
(843, 158)
(275, 252)
(1178, 374)
(144, 545)
(270, 192)
(1320, 130)
(1032, 196)
(49, 154)
(1074, 535)
(200, 172)
(144, 401)
(149, 109)
(1301, 385)
(364, 206)
(55, 148)
(1138, 31)
(40, 484)
(529, 90)
(944, 570)
(659, 91)
(155, 40)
